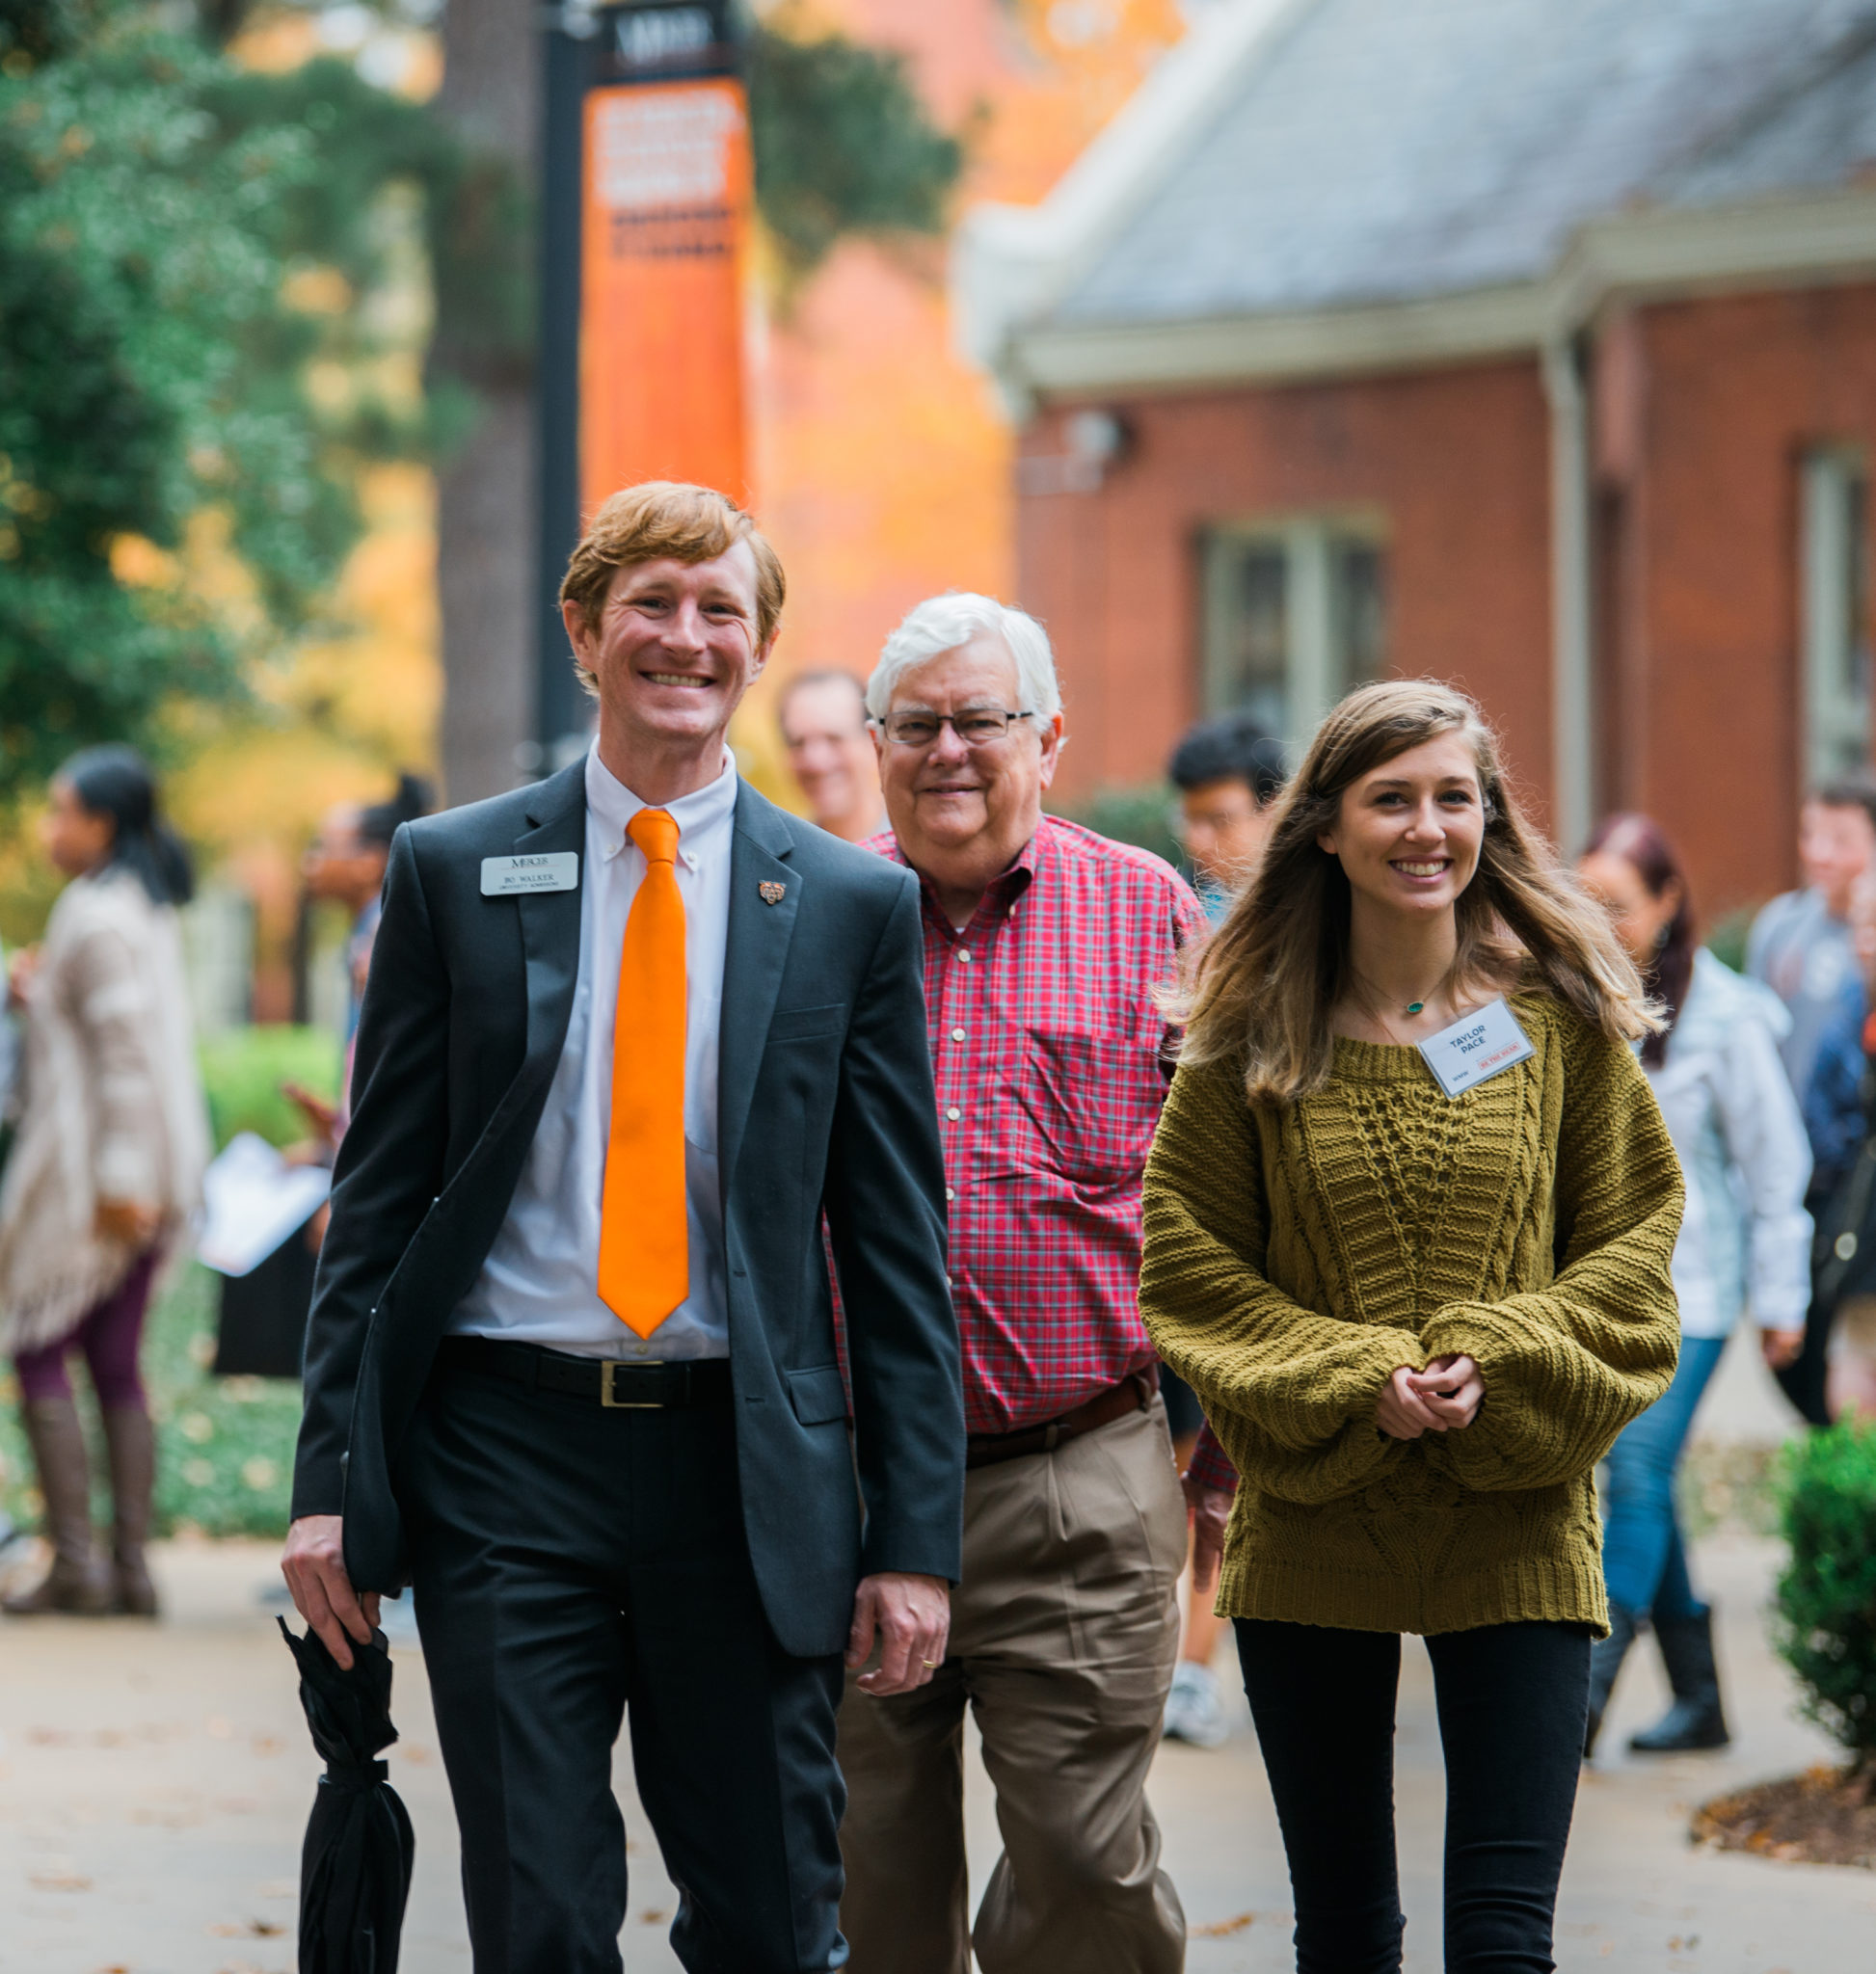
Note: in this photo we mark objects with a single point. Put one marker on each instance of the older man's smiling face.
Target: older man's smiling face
(674, 648)
(950, 801)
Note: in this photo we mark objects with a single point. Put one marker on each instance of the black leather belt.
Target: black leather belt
(621, 1387)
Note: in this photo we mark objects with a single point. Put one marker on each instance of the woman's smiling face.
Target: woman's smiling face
(1409, 831)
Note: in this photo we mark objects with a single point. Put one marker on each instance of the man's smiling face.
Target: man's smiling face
(674, 648)
(946, 797)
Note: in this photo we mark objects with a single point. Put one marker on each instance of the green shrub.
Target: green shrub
(1827, 1595)
(243, 1070)
(1141, 815)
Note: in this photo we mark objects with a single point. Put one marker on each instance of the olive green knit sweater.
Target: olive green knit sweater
(1296, 1256)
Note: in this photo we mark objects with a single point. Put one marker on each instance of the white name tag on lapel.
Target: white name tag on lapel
(503, 876)
(1477, 1046)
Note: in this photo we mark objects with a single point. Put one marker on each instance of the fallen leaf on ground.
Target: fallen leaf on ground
(61, 1882)
(1222, 1929)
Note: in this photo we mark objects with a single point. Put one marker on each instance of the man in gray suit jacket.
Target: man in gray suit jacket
(572, 1367)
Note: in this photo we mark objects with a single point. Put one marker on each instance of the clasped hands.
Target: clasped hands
(1444, 1398)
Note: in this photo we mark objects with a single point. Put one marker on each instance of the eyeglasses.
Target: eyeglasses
(976, 726)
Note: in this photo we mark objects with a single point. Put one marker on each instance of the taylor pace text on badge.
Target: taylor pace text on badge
(1477, 1046)
(556, 871)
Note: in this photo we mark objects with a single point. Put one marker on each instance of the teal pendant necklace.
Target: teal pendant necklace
(1413, 1007)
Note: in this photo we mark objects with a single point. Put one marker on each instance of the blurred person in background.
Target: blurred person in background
(340, 867)
(1840, 1118)
(822, 716)
(1227, 771)
(1043, 946)
(1745, 1241)
(1801, 948)
(1799, 943)
(347, 860)
(107, 1166)
(347, 864)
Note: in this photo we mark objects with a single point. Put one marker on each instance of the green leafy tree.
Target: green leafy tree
(154, 201)
(148, 369)
(842, 146)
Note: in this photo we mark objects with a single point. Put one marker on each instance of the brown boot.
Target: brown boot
(77, 1580)
(131, 1440)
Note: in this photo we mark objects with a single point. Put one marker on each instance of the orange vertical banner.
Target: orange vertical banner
(664, 236)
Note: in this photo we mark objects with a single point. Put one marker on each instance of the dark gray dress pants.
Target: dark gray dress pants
(572, 1564)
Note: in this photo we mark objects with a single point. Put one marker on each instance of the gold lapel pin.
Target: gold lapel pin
(771, 893)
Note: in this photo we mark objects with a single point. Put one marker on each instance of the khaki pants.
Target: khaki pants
(1062, 1643)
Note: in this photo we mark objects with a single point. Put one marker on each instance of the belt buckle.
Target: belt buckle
(608, 1368)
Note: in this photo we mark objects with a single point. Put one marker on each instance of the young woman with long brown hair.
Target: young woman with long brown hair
(1409, 1222)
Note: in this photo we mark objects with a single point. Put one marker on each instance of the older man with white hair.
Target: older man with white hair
(1044, 944)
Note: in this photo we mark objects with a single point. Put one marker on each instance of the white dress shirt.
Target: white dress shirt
(538, 1284)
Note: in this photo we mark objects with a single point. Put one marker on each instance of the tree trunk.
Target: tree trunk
(486, 485)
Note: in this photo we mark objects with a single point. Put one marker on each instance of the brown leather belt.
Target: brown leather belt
(1132, 1394)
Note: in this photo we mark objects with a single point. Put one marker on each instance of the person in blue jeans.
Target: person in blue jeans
(1745, 1241)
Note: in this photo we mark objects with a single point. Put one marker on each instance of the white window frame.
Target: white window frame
(1837, 704)
(1315, 673)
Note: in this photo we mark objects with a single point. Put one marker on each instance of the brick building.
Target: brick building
(1529, 346)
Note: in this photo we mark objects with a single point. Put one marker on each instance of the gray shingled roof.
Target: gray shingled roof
(1392, 149)
(1818, 133)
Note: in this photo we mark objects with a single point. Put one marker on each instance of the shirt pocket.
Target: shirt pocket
(1091, 1103)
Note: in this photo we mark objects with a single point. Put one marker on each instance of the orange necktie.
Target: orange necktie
(644, 1233)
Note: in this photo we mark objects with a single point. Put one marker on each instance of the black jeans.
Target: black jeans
(574, 1565)
(1513, 1702)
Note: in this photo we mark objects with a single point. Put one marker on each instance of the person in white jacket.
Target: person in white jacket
(1745, 1243)
(106, 1166)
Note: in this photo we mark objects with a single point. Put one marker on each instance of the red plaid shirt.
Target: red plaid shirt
(1051, 1065)
(1210, 1465)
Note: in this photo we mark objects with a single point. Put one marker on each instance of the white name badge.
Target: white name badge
(503, 876)
(1476, 1047)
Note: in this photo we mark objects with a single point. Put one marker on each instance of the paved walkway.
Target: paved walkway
(154, 1781)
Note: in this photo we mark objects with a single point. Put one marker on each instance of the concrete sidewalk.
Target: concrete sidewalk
(154, 1781)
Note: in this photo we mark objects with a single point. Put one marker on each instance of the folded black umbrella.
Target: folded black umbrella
(355, 1869)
